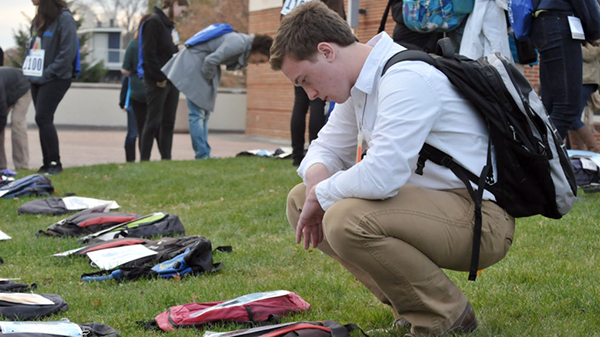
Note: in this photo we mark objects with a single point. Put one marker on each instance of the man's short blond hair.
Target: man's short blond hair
(304, 28)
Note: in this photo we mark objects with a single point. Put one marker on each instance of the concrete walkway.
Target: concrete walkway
(91, 147)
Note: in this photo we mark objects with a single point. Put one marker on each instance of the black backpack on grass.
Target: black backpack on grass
(24, 311)
(153, 225)
(87, 222)
(35, 184)
(534, 172)
(88, 330)
(326, 328)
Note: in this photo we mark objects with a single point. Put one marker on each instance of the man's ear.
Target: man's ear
(326, 50)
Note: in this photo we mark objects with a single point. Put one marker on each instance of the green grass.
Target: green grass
(548, 285)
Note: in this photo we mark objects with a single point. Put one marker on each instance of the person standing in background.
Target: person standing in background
(196, 71)
(54, 42)
(136, 109)
(552, 33)
(159, 43)
(14, 96)
(302, 102)
(580, 135)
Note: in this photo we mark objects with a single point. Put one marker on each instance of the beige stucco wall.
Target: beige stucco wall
(96, 105)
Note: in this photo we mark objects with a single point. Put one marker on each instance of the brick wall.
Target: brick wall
(271, 94)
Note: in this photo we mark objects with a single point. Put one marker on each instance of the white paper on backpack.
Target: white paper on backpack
(66, 329)
(113, 257)
(588, 164)
(22, 298)
(4, 236)
(79, 203)
(243, 300)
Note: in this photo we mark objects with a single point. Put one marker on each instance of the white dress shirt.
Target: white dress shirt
(411, 104)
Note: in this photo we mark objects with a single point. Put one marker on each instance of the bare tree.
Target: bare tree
(123, 13)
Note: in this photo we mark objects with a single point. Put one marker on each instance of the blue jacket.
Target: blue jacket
(586, 10)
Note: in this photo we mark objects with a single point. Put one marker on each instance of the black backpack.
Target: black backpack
(150, 226)
(176, 257)
(22, 311)
(87, 222)
(326, 328)
(88, 330)
(35, 184)
(534, 172)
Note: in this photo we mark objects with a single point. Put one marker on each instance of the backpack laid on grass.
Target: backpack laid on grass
(87, 222)
(253, 309)
(153, 225)
(165, 248)
(13, 287)
(172, 258)
(534, 174)
(326, 328)
(63, 205)
(35, 184)
(55, 329)
(19, 306)
(587, 173)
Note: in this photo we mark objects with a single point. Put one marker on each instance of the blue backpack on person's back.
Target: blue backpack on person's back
(209, 33)
(206, 34)
(520, 15)
(426, 16)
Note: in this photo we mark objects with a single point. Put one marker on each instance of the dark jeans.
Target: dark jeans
(45, 100)
(560, 68)
(136, 118)
(160, 119)
(131, 136)
(298, 123)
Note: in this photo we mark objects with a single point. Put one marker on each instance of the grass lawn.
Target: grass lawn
(548, 285)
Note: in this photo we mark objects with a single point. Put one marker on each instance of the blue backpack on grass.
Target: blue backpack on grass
(35, 184)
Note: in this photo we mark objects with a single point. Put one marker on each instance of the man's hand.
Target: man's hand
(161, 84)
(310, 224)
(596, 42)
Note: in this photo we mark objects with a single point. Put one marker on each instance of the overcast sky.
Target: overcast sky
(11, 19)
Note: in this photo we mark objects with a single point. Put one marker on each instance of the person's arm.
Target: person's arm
(310, 223)
(67, 47)
(589, 13)
(232, 45)
(151, 32)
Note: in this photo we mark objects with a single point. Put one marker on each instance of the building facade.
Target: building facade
(271, 95)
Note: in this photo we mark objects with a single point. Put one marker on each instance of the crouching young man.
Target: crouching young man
(394, 230)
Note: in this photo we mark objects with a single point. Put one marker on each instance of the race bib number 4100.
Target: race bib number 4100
(34, 63)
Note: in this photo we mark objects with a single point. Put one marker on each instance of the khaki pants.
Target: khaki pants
(397, 247)
(20, 145)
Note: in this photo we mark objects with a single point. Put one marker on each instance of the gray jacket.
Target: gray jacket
(59, 42)
(196, 71)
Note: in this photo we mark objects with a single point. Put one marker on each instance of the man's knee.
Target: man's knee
(295, 201)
